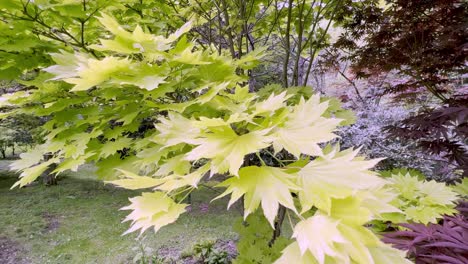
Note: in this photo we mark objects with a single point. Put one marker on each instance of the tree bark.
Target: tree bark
(287, 45)
(48, 178)
(278, 223)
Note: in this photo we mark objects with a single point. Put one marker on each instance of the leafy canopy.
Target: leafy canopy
(204, 121)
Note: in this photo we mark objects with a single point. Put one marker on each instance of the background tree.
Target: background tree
(425, 43)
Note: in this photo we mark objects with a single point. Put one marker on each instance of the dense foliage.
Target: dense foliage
(165, 104)
(425, 43)
(435, 243)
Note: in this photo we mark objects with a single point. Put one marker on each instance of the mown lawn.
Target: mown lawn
(78, 221)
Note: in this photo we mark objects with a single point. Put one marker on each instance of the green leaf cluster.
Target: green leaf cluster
(255, 245)
(420, 200)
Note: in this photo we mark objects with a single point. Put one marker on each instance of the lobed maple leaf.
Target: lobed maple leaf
(268, 186)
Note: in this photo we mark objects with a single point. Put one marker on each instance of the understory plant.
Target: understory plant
(208, 254)
(421, 201)
(272, 151)
(369, 131)
(435, 243)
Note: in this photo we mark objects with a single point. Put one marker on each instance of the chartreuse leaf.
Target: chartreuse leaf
(85, 72)
(136, 42)
(350, 211)
(153, 209)
(269, 186)
(378, 201)
(176, 181)
(242, 95)
(28, 159)
(388, 255)
(359, 240)
(174, 130)
(271, 104)
(133, 181)
(67, 65)
(305, 128)
(106, 168)
(31, 174)
(292, 254)
(110, 147)
(72, 163)
(251, 59)
(226, 149)
(181, 31)
(325, 236)
(177, 165)
(191, 57)
(211, 92)
(325, 240)
(461, 188)
(421, 201)
(347, 116)
(337, 174)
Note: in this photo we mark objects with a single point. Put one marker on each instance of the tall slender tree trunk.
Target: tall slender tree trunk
(287, 45)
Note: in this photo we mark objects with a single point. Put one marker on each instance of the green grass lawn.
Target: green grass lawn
(78, 221)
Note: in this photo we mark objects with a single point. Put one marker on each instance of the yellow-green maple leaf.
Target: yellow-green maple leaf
(226, 149)
(359, 240)
(111, 147)
(133, 181)
(385, 254)
(72, 163)
(378, 202)
(461, 188)
(336, 175)
(421, 201)
(31, 174)
(87, 72)
(292, 254)
(174, 130)
(269, 186)
(67, 64)
(177, 165)
(316, 239)
(187, 56)
(436, 193)
(136, 42)
(205, 122)
(29, 158)
(305, 128)
(153, 209)
(318, 234)
(176, 181)
(271, 104)
(325, 240)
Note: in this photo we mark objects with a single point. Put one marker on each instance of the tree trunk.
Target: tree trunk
(47, 177)
(3, 151)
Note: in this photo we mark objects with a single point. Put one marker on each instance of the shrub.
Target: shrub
(207, 253)
(435, 243)
(369, 132)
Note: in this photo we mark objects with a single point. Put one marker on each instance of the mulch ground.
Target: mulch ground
(10, 252)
